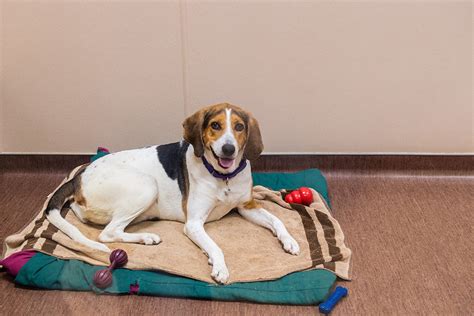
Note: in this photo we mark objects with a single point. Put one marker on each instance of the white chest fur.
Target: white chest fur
(229, 195)
(229, 192)
(217, 196)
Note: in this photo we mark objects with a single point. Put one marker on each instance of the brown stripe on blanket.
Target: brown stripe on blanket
(329, 235)
(30, 237)
(311, 234)
(38, 224)
(30, 243)
(50, 245)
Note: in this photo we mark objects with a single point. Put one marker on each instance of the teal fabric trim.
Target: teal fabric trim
(98, 155)
(300, 288)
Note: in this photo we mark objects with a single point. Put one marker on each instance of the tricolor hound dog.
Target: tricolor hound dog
(197, 180)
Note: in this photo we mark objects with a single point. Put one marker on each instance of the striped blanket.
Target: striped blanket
(252, 253)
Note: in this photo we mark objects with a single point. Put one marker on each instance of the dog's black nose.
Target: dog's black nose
(228, 149)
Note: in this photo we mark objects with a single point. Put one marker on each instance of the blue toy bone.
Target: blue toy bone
(327, 306)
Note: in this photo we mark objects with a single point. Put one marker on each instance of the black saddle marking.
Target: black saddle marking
(173, 159)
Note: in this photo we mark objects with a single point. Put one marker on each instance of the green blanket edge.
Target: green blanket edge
(299, 288)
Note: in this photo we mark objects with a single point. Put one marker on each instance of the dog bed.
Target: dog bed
(305, 287)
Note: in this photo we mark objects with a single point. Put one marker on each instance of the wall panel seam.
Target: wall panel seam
(184, 65)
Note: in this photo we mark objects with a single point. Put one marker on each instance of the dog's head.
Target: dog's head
(224, 133)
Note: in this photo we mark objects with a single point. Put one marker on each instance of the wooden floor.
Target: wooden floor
(410, 233)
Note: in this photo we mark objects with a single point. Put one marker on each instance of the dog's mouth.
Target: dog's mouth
(224, 163)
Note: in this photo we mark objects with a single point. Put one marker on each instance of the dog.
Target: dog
(195, 181)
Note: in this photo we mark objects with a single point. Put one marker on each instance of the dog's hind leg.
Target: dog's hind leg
(263, 218)
(114, 232)
(139, 198)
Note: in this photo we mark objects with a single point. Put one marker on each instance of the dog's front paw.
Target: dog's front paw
(98, 246)
(150, 239)
(220, 273)
(290, 245)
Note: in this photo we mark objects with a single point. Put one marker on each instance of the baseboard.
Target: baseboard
(41, 163)
(452, 165)
(459, 165)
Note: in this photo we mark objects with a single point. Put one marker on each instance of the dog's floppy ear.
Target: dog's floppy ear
(193, 132)
(254, 146)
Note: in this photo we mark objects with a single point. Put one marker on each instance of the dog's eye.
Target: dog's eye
(215, 126)
(239, 127)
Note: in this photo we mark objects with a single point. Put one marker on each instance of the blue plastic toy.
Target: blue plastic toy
(327, 306)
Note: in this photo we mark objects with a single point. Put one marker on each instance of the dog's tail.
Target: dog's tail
(53, 214)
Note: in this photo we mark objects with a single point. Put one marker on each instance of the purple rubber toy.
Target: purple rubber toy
(103, 278)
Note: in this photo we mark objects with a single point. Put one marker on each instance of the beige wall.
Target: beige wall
(319, 76)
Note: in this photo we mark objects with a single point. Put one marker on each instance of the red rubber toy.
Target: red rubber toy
(306, 196)
(103, 278)
(301, 196)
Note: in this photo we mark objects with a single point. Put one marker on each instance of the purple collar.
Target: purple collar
(224, 176)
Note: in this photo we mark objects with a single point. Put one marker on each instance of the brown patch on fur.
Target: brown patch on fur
(240, 136)
(254, 146)
(252, 204)
(209, 134)
(193, 131)
(79, 197)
